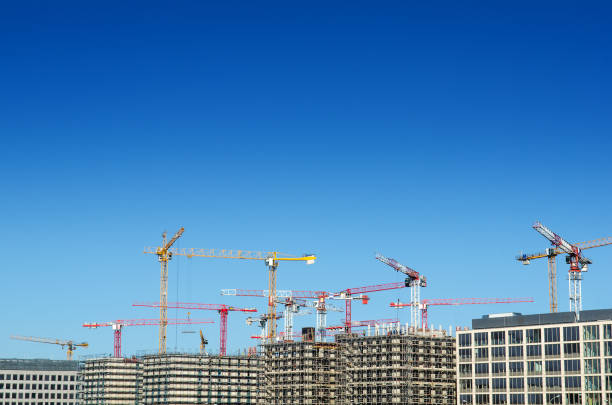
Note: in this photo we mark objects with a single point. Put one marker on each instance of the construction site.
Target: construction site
(379, 361)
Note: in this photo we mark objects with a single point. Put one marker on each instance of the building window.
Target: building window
(515, 352)
(482, 384)
(515, 367)
(465, 369)
(571, 349)
(592, 383)
(590, 332)
(591, 349)
(517, 399)
(553, 382)
(498, 384)
(573, 399)
(481, 339)
(515, 337)
(534, 335)
(607, 348)
(465, 354)
(534, 398)
(499, 399)
(592, 366)
(570, 333)
(592, 399)
(465, 399)
(534, 351)
(498, 338)
(608, 382)
(465, 385)
(553, 398)
(481, 368)
(534, 382)
(516, 383)
(482, 399)
(534, 367)
(482, 353)
(551, 335)
(607, 331)
(498, 368)
(553, 366)
(498, 352)
(552, 350)
(608, 367)
(572, 382)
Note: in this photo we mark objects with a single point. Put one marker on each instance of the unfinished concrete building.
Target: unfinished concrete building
(398, 366)
(173, 379)
(112, 381)
(302, 373)
(393, 365)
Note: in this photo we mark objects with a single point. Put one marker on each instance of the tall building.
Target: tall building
(536, 359)
(39, 382)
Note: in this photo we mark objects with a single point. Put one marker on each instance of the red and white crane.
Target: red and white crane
(222, 309)
(119, 324)
(414, 280)
(455, 301)
(358, 293)
(292, 299)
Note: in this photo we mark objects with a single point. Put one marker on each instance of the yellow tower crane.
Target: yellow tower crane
(68, 343)
(271, 259)
(163, 254)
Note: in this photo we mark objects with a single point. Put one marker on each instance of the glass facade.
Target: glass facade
(549, 364)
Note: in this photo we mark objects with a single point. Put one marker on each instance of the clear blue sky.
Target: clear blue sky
(435, 134)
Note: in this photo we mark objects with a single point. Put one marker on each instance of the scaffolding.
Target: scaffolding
(398, 365)
(301, 373)
(111, 381)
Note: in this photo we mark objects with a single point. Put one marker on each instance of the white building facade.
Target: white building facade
(536, 359)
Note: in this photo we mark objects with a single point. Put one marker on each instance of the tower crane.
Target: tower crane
(369, 322)
(203, 343)
(414, 280)
(271, 260)
(222, 309)
(456, 301)
(357, 293)
(290, 296)
(70, 345)
(262, 322)
(164, 255)
(574, 258)
(119, 324)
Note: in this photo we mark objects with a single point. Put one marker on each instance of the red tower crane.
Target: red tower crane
(414, 280)
(578, 264)
(222, 309)
(120, 323)
(358, 293)
(457, 301)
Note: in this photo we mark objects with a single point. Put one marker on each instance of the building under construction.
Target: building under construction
(391, 365)
(398, 366)
(305, 372)
(111, 380)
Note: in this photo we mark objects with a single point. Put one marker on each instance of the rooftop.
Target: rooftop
(515, 320)
(39, 365)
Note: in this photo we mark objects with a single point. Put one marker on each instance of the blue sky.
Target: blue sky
(433, 133)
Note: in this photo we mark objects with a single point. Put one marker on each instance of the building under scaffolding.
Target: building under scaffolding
(112, 381)
(302, 373)
(173, 379)
(393, 365)
(398, 366)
